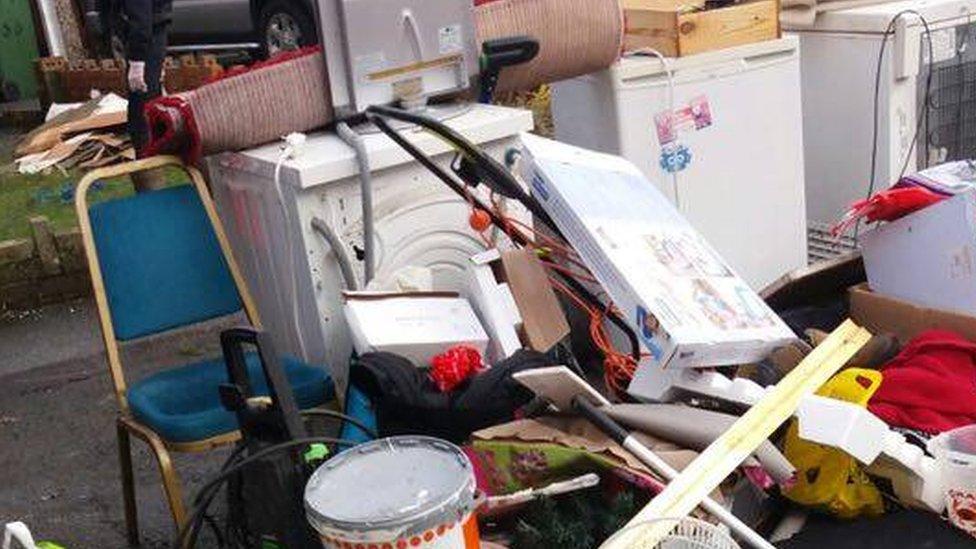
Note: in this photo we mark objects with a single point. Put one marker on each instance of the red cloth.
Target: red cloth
(888, 205)
(453, 366)
(931, 385)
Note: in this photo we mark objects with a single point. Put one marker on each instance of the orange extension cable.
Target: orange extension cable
(618, 368)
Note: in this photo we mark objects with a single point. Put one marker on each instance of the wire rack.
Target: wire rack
(951, 108)
(684, 533)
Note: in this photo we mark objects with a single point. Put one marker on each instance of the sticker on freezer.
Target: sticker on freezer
(696, 115)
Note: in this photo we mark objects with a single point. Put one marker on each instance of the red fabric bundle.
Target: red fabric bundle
(888, 205)
(455, 365)
(931, 385)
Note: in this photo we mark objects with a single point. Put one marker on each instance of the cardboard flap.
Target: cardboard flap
(883, 314)
(543, 321)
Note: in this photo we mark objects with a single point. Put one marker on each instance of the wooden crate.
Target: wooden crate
(684, 27)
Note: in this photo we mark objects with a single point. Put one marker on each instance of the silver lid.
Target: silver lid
(391, 484)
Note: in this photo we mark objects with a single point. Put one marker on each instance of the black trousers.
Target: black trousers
(137, 125)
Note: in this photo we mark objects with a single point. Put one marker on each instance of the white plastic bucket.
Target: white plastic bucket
(955, 454)
(395, 493)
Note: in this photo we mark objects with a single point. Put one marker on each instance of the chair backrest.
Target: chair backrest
(161, 262)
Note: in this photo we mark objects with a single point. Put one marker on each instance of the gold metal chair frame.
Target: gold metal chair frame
(126, 425)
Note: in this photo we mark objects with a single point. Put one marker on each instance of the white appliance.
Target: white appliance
(737, 114)
(418, 222)
(382, 51)
(838, 65)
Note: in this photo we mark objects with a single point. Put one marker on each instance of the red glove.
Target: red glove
(455, 365)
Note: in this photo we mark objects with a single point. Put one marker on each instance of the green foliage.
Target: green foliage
(579, 521)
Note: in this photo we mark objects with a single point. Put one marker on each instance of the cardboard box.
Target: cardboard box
(417, 325)
(927, 258)
(882, 314)
(511, 294)
(684, 302)
(683, 27)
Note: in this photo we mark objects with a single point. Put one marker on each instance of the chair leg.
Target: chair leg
(171, 481)
(128, 485)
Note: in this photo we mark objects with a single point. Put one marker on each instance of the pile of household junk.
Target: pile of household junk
(532, 344)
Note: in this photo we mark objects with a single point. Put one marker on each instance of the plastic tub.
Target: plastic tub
(955, 455)
(395, 493)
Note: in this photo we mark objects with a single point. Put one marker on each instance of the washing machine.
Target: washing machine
(291, 269)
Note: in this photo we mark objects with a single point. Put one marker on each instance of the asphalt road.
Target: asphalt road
(58, 456)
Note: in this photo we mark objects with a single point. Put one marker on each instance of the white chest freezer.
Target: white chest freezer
(839, 63)
(734, 136)
(418, 222)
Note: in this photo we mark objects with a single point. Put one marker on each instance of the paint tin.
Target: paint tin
(395, 493)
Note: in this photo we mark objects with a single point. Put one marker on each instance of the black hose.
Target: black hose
(462, 191)
(498, 177)
(209, 490)
(339, 415)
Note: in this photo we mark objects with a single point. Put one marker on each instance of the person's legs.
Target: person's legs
(137, 124)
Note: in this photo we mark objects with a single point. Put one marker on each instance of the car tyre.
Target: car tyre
(285, 25)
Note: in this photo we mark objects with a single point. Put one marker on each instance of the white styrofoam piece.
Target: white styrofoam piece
(687, 306)
(843, 425)
(652, 383)
(865, 437)
(495, 306)
(927, 258)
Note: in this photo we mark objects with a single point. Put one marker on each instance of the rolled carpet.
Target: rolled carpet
(575, 37)
(248, 107)
(243, 108)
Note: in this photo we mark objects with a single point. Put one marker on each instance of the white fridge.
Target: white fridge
(730, 154)
(839, 65)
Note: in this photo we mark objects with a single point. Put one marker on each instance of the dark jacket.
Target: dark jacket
(143, 17)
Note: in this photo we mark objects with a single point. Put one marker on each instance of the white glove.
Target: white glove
(137, 76)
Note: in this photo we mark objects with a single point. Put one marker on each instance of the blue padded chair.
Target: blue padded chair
(158, 261)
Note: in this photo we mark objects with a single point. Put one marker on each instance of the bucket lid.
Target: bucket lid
(391, 482)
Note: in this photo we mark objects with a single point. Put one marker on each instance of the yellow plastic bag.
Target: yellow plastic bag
(828, 478)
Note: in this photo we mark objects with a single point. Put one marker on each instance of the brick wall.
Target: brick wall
(49, 267)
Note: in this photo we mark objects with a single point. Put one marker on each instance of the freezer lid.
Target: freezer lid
(326, 158)
(874, 19)
(635, 66)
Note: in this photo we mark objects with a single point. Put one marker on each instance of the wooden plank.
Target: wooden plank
(727, 27)
(662, 5)
(680, 27)
(652, 29)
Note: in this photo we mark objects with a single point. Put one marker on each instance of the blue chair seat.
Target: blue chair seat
(182, 404)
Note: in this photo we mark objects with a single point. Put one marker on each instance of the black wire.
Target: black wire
(926, 99)
(961, 75)
(216, 530)
(209, 490)
(498, 177)
(877, 94)
(339, 415)
(461, 190)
